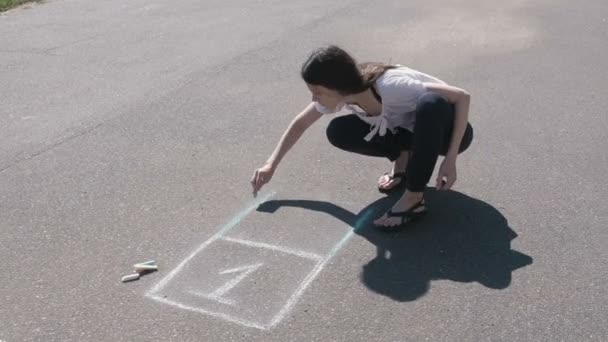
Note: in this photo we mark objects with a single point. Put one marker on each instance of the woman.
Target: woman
(398, 113)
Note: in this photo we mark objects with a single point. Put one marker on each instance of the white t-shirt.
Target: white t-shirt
(399, 89)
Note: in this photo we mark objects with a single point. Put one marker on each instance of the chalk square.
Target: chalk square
(244, 282)
(288, 225)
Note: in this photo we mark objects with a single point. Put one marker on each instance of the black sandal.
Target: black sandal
(407, 216)
(400, 185)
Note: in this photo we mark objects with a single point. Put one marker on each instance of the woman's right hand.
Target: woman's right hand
(295, 130)
(261, 176)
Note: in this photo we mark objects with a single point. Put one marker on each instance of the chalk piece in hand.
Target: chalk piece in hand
(130, 277)
(255, 194)
(139, 268)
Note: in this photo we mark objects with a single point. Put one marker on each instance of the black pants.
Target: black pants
(431, 138)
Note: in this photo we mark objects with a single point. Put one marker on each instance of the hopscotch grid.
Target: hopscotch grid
(285, 250)
(163, 282)
(321, 263)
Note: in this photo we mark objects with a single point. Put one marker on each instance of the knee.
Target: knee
(336, 132)
(467, 138)
(431, 105)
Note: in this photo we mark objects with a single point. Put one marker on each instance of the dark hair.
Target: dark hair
(335, 69)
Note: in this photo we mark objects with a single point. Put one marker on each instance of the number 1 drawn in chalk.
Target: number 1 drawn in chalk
(217, 294)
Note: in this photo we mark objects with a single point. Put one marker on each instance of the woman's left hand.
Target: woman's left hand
(446, 176)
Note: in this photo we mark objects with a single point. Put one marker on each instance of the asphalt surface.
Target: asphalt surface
(129, 132)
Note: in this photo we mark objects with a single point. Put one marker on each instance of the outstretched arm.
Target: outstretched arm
(294, 131)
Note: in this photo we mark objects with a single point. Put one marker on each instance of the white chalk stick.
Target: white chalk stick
(151, 262)
(130, 277)
(141, 268)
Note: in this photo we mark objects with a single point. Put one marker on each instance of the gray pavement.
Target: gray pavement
(129, 131)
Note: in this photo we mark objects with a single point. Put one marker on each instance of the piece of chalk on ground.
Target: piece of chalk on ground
(151, 262)
(130, 277)
(142, 267)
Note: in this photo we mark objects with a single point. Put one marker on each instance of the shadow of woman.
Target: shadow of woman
(461, 239)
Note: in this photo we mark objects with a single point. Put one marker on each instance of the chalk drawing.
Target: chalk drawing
(219, 294)
(238, 218)
(224, 316)
(302, 254)
(294, 298)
